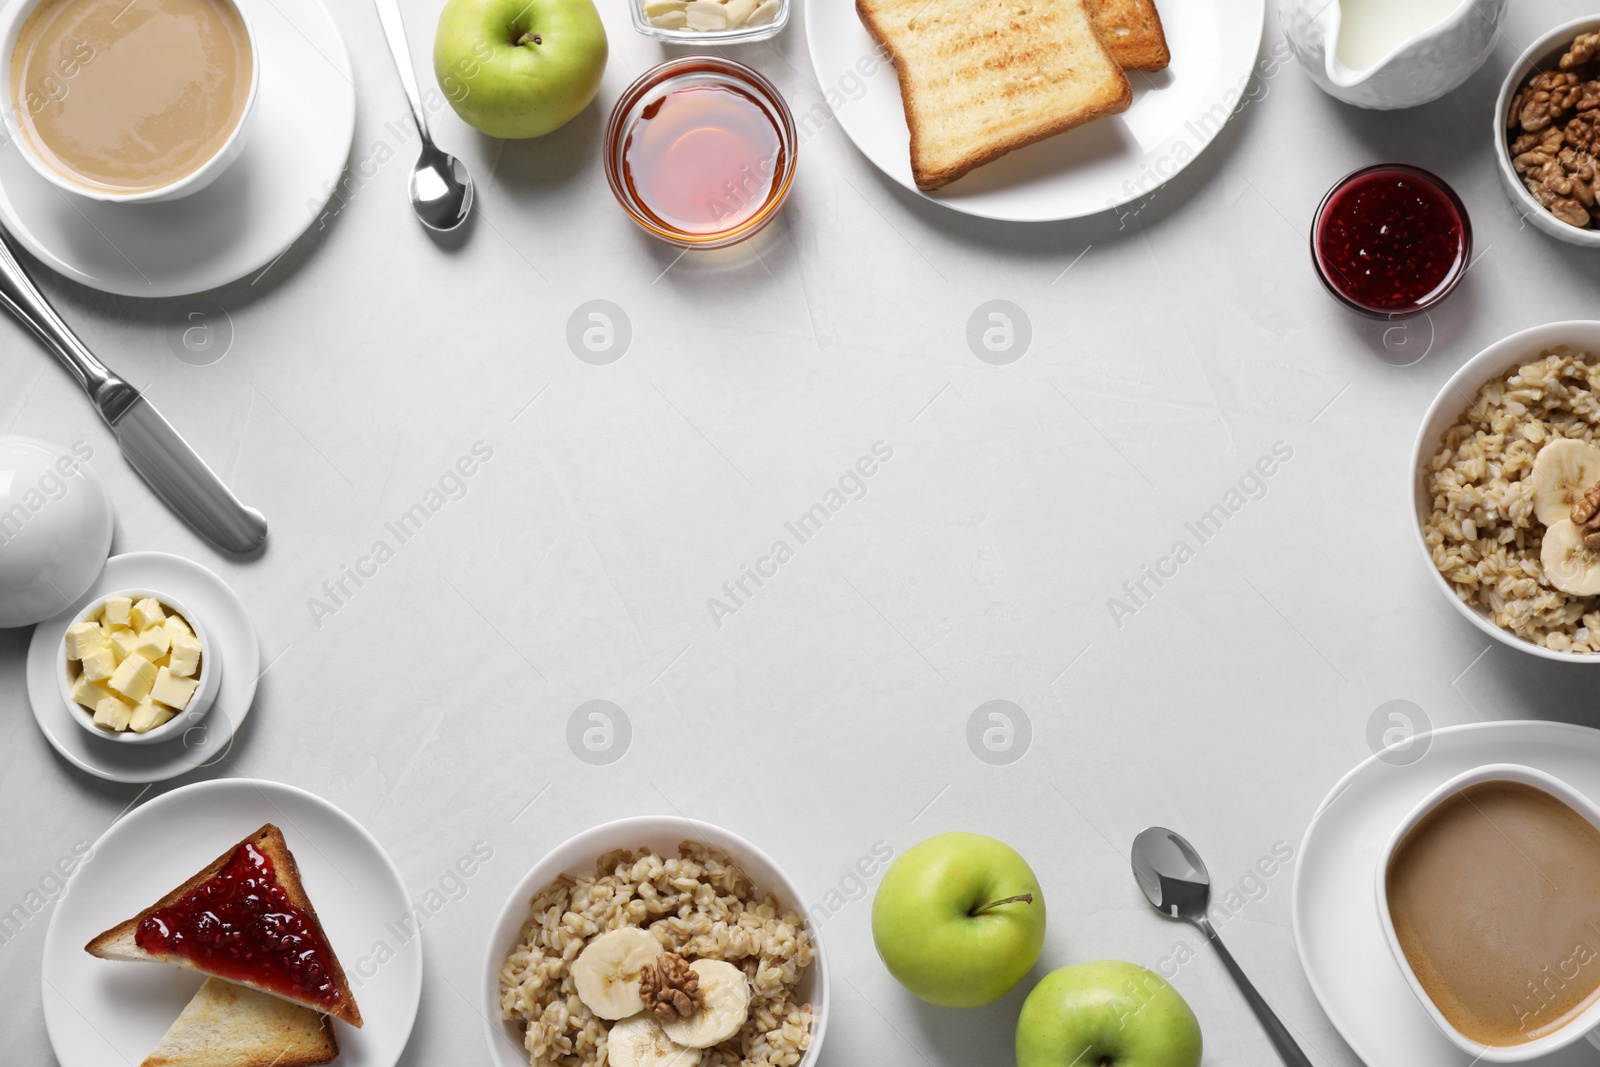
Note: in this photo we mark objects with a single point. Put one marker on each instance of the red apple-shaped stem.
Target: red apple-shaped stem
(1026, 898)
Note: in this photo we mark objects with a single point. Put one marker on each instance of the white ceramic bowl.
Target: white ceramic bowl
(1542, 54)
(11, 22)
(577, 857)
(204, 695)
(56, 523)
(1582, 1026)
(1458, 392)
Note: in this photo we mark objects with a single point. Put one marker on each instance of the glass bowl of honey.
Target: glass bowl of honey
(700, 151)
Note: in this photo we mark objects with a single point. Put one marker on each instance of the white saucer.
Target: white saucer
(1336, 925)
(295, 153)
(1175, 114)
(100, 1012)
(229, 626)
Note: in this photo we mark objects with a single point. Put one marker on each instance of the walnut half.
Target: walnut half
(670, 988)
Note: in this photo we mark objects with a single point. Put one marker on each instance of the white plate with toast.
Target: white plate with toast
(1114, 152)
(102, 1011)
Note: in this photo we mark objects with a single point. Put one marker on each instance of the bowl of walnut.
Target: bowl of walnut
(1547, 133)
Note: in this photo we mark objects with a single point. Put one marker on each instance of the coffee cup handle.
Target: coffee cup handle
(1594, 1037)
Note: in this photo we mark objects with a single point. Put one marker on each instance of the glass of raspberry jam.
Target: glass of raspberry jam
(1391, 240)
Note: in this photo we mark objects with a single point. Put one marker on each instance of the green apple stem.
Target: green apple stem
(1026, 898)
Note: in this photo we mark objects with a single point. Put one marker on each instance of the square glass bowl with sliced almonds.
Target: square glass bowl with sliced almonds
(136, 667)
(1506, 489)
(655, 942)
(710, 22)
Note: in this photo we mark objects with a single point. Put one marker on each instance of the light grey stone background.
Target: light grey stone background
(1172, 346)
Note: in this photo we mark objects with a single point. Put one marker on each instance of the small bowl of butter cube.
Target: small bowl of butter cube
(136, 667)
(709, 22)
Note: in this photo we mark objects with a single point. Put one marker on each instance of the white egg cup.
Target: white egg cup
(56, 523)
(205, 693)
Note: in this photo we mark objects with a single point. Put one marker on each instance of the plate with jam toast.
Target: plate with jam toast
(233, 923)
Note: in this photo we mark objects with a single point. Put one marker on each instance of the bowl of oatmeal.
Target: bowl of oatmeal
(643, 933)
(1505, 456)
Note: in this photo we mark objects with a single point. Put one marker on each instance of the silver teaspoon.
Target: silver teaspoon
(1174, 878)
(441, 188)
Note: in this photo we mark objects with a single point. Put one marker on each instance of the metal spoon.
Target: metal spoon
(441, 188)
(1174, 877)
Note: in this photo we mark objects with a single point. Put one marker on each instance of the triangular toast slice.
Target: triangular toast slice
(287, 955)
(228, 1025)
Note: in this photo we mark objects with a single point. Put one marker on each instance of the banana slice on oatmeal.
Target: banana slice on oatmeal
(724, 1006)
(606, 973)
(1563, 472)
(1569, 564)
(640, 1042)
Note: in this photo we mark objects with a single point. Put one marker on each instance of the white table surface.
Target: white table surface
(1172, 347)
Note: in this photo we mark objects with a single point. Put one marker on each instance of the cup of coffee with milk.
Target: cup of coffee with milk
(128, 100)
(1489, 897)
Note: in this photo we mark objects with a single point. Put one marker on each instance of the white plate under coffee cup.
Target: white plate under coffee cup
(241, 223)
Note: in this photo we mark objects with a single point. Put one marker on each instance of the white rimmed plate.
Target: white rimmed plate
(296, 150)
(1175, 114)
(227, 624)
(1336, 924)
(577, 855)
(99, 1012)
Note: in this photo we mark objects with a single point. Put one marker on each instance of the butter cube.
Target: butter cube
(83, 638)
(121, 642)
(88, 693)
(116, 612)
(152, 643)
(99, 664)
(145, 614)
(172, 691)
(175, 626)
(148, 715)
(133, 678)
(185, 653)
(113, 714)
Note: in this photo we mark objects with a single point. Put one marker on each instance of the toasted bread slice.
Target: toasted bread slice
(980, 80)
(121, 941)
(228, 1025)
(1132, 32)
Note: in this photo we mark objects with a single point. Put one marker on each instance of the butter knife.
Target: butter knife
(152, 447)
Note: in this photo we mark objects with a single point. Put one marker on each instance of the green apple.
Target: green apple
(1106, 1014)
(959, 919)
(519, 68)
